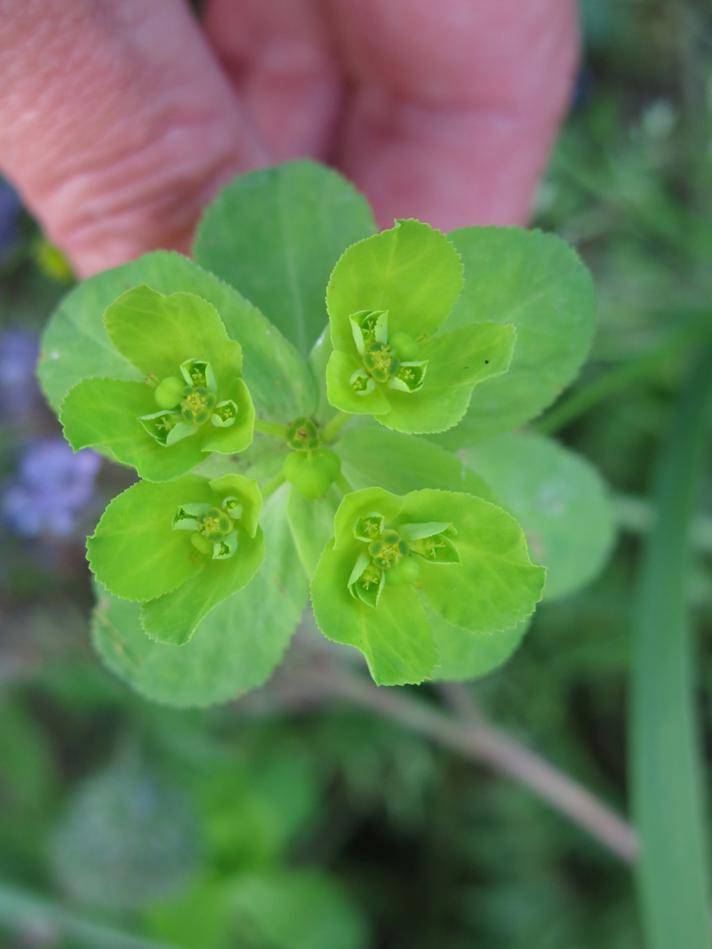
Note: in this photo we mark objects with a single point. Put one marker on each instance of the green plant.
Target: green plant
(278, 456)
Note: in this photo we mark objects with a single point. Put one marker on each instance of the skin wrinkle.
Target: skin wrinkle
(118, 122)
(98, 150)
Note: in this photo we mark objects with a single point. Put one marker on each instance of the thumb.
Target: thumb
(116, 123)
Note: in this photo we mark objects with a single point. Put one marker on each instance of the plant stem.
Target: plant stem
(637, 516)
(271, 428)
(333, 427)
(26, 911)
(475, 738)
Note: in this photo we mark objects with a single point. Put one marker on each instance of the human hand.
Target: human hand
(119, 119)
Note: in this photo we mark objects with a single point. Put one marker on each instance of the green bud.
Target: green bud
(303, 434)
(168, 392)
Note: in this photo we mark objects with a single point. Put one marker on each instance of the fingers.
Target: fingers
(116, 123)
(455, 103)
(280, 58)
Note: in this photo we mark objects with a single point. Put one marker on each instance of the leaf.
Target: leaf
(560, 500)
(464, 655)
(76, 345)
(469, 355)
(173, 617)
(395, 637)
(666, 761)
(104, 414)
(126, 840)
(134, 550)
(537, 283)
(495, 585)
(156, 332)
(273, 908)
(372, 455)
(300, 909)
(311, 524)
(276, 234)
(412, 271)
(235, 648)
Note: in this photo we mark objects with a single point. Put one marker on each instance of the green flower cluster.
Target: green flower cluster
(276, 463)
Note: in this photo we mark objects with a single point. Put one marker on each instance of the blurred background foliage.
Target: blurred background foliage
(284, 823)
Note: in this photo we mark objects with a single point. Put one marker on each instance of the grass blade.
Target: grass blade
(673, 875)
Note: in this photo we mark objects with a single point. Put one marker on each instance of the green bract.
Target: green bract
(387, 298)
(179, 548)
(395, 559)
(191, 398)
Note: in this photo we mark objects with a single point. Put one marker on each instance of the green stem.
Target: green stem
(665, 763)
(332, 428)
(271, 428)
(274, 485)
(24, 911)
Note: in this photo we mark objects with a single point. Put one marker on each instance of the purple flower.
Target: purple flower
(19, 393)
(9, 215)
(51, 487)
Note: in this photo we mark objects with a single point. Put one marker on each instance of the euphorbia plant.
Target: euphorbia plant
(279, 455)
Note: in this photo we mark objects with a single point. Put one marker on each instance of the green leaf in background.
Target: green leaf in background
(463, 655)
(386, 297)
(558, 497)
(76, 345)
(372, 455)
(537, 283)
(665, 761)
(394, 559)
(276, 909)
(276, 234)
(234, 649)
(127, 839)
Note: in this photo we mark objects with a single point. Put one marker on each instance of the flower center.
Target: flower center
(390, 361)
(197, 404)
(380, 361)
(387, 549)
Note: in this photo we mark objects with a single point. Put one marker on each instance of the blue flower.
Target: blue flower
(51, 487)
(19, 393)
